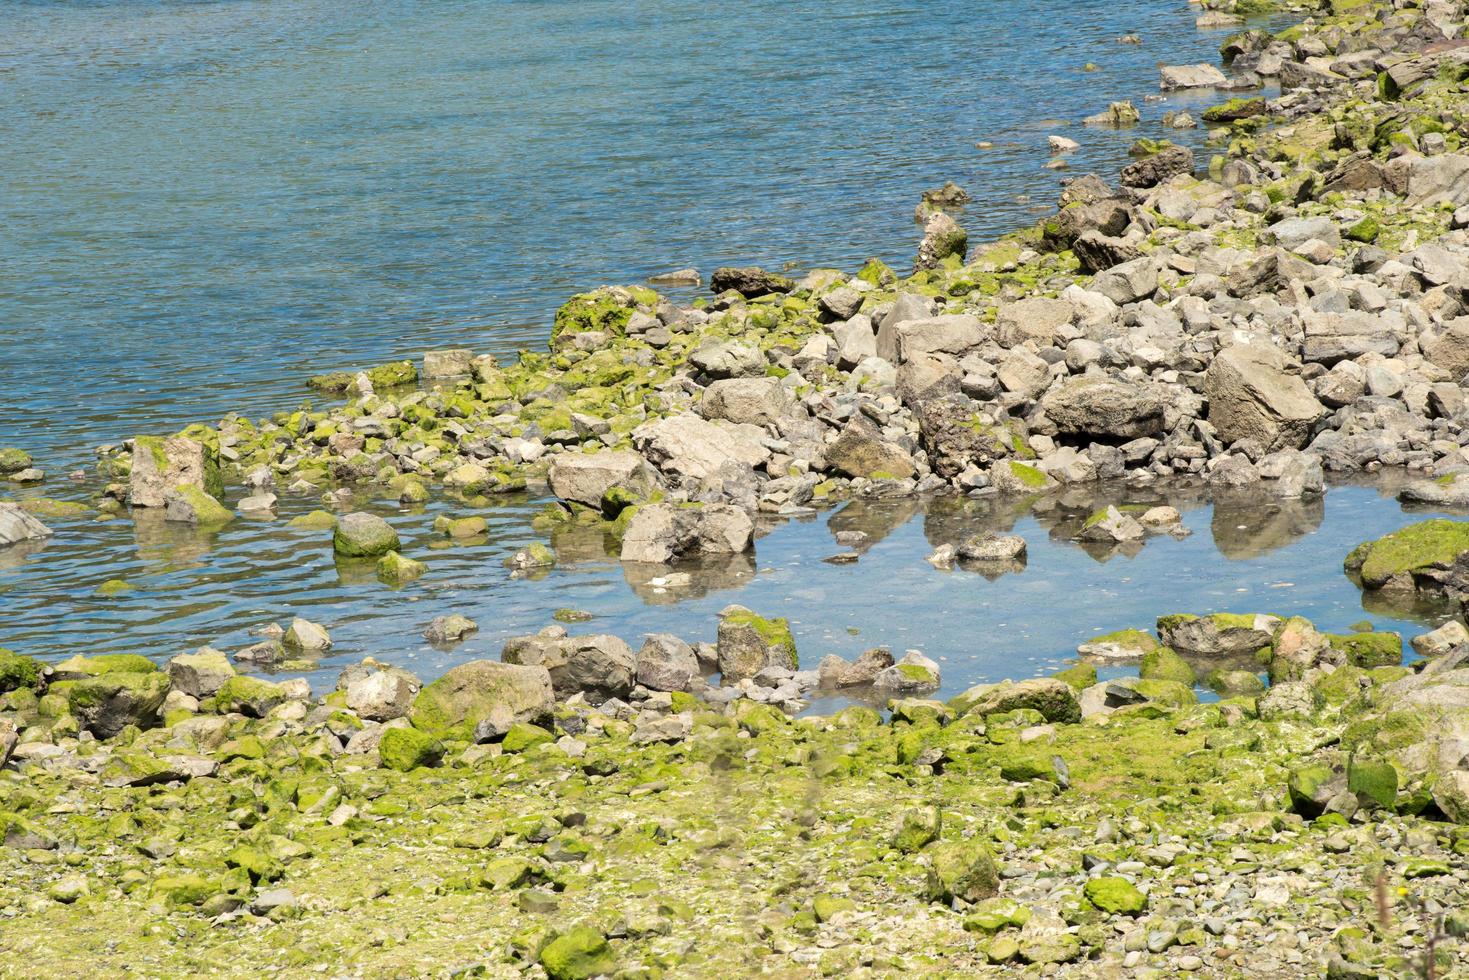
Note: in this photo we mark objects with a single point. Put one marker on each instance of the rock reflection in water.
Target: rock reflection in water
(1250, 524)
(662, 585)
(170, 544)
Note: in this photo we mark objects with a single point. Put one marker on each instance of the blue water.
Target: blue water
(206, 202)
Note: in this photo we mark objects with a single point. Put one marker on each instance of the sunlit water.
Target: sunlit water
(1243, 555)
(205, 203)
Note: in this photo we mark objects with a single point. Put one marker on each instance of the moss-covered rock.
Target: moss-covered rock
(1415, 557)
(748, 643)
(17, 671)
(577, 954)
(1115, 896)
(962, 869)
(106, 704)
(394, 569)
(362, 535)
(1165, 665)
(405, 749)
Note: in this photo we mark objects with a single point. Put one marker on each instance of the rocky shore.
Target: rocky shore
(1293, 308)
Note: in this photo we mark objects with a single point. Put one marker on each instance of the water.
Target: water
(1245, 554)
(205, 203)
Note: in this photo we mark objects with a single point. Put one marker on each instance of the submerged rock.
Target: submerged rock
(362, 535)
(16, 526)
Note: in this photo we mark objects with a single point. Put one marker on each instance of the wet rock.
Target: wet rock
(1252, 395)
(662, 533)
(470, 693)
(834, 672)
(1173, 77)
(750, 281)
(449, 629)
(748, 643)
(395, 569)
(1122, 645)
(912, 674)
(162, 466)
(599, 665)
(306, 636)
(1217, 635)
(585, 478)
(106, 704)
(1443, 640)
(452, 363)
(264, 652)
(16, 526)
(190, 505)
(1453, 492)
(992, 548)
(666, 663)
(362, 535)
(963, 870)
(1430, 556)
(1156, 168)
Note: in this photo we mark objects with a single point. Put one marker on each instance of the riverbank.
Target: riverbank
(581, 807)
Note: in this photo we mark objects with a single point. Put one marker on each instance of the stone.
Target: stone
(201, 673)
(729, 359)
(961, 869)
(444, 630)
(599, 665)
(1288, 699)
(697, 448)
(992, 548)
(1053, 698)
(1444, 639)
(363, 535)
(1449, 348)
(861, 451)
(163, 465)
(1110, 525)
(1172, 77)
(406, 749)
(1217, 635)
(1128, 282)
(914, 673)
(1157, 168)
(666, 663)
(1095, 405)
(13, 460)
(457, 702)
(107, 703)
(451, 363)
(747, 401)
(306, 636)
(1033, 320)
(1115, 896)
(16, 525)
(908, 340)
(834, 672)
(395, 569)
(942, 238)
(585, 478)
(189, 505)
(750, 282)
(383, 695)
(579, 953)
(749, 643)
(1253, 395)
(663, 533)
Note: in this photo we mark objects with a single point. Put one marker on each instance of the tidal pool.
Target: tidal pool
(1245, 553)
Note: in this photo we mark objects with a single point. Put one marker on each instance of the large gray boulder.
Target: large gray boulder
(697, 448)
(1334, 337)
(749, 643)
(747, 401)
(666, 663)
(1035, 319)
(16, 526)
(729, 359)
(1095, 405)
(1128, 282)
(1253, 395)
(363, 535)
(201, 673)
(1449, 349)
(661, 533)
(585, 478)
(954, 334)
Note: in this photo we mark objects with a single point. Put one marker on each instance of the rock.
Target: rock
(1289, 699)
(833, 671)
(1035, 319)
(666, 730)
(8, 738)
(1438, 642)
(452, 363)
(1097, 252)
(362, 535)
(107, 703)
(747, 401)
(16, 526)
(914, 673)
(961, 869)
(1333, 337)
(201, 673)
(860, 451)
(406, 749)
(306, 636)
(395, 569)
(1122, 645)
(599, 665)
(1157, 168)
(1217, 635)
(1115, 896)
(163, 465)
(662, 533)
(579, 953)
(1292, 233)
(1116, 114)
(13, 460)
(457, 702)
(1128, 282)
(1094, 405)
(1430, 556)
(383, 695)
(992, 548)
(678, 277)
(1110, 525)
(190, 505)
(449, 629)
(1449, 349)
(1252, 395)
(910, 340)
(749, 643)
(729, 359)
(585, 478)
(1054, 699)
(942, 237)
(1009, 476)
(1174, 77)
(696, 448)
(666, 663)
(750, 282)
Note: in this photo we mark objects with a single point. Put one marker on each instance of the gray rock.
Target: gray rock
(750, 281)
(1217, 635)
(1252, 395)
(833, 671)
(696, 448)
(1111, 525)
(585, 478)
(1128, 282)
(912, 674)
(662, 533)
(383, 694)
(860, 451)
(453, 363)
(992, 547)
(1035, 319)
(748, 644)
(666, 663)
(16, 526)
(163, 465)
(449, 629)
(729, 359)
(750, 401)
(1172, 77)
(1095, 405)
(362, 535)
(199, 674)
(600, 665)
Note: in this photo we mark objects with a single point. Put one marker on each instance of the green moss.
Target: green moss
(17, 671)
(522, 737)
(1115, 896)
(406, 749)
(1140, 641)
(207, 511)
(1028, 475)
(317, 520)
(1163, 664)
(394, 569)
(601, 310)
(774, 632)
(1398, 557)
(1365, 230)
(113, 587)
(1079, 677)
(577, 954)
(1384, 649)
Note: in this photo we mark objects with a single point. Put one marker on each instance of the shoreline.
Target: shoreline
(579, 808)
